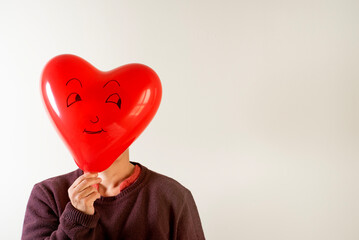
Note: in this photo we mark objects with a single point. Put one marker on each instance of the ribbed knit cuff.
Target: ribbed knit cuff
(76, 216)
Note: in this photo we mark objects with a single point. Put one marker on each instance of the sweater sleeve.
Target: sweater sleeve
(189, 224)
(42, 221)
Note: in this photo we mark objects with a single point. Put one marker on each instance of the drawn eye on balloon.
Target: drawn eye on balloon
(114, 98)
(75, 97)
(72, 98)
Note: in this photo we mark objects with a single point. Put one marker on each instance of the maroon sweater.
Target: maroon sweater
(153, 207)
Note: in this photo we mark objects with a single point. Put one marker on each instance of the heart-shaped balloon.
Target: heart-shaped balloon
(99, 114)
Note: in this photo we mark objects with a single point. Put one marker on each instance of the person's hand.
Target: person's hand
(83, 194)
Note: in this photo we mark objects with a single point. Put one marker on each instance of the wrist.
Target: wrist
(75, 215)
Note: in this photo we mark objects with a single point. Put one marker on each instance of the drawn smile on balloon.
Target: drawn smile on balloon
(93, 132)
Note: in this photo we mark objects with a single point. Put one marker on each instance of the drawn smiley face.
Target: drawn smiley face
(74, 97)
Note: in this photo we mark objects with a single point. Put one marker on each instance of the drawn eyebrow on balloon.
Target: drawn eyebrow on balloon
(74, 79)
(111, 81)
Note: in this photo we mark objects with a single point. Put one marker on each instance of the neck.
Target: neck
(112, 177)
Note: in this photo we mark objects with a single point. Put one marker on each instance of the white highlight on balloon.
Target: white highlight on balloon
(141, 103)
(52, 99)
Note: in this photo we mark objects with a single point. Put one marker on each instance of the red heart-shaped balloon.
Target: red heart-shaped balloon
(99, 114)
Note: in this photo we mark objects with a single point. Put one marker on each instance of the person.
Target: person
(126, 201)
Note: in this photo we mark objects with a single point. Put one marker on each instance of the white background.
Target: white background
(259, 115)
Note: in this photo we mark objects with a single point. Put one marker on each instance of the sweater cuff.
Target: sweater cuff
(77, 217)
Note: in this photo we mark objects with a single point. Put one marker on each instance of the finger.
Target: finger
(92, 197)
(86, 183)
(82, 177)
(86, 192)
